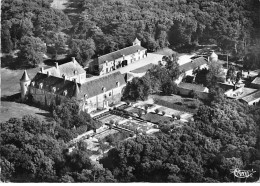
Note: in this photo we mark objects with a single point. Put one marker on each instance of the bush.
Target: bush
(178, 103)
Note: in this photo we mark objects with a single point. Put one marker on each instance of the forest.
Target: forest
(99, 27)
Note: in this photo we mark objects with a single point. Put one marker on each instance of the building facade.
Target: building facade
(118, 59)
(46, 89)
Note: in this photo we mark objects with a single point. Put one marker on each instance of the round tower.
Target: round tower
(24, 83)
(137, 42)
(213, 57)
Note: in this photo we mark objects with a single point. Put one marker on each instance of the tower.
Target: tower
(76, 90)
(213, 57)
(24, 83)
(136, 42)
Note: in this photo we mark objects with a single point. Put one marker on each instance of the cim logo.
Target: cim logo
(242, 173)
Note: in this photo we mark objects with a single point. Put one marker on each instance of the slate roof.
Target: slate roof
(25, 77)
(191, 86)
(256, 81)
(193, 64)
(119, 53)
(48, 82)
(68, 69)
(252, 97)
(93, 88)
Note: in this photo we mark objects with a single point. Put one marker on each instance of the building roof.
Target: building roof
(25, 76)
(213, 55)
(193, 64)
(191, 86)
(95, 87)
(119, 53)
(69, 69)
(245, 91)
(252, 97)
(256, 81)
(49, 82)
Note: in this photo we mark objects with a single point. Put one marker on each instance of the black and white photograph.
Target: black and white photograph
(130, 91)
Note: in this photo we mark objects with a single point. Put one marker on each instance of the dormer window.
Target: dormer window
(40, 85)
(33, 83)
(65, 92)
(53, 89)
(104, 89)
(117, 84)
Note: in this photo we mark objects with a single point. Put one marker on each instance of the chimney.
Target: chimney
(48, 73)
(42, 70)
(57, 65)
(73, 60)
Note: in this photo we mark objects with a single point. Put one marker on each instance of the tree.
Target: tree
(137, 89)
(233, 76)
(57, 42)
(82, 49)
(200, 76)
(169, 87)
(31, 51)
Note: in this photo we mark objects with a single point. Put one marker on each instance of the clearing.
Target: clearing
(59, 4)
(11, 80)
(18, 110)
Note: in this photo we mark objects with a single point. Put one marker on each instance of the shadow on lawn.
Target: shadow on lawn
(12, 98)
(48, 116)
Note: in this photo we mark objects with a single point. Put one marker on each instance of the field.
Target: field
(10, 80)
(10, 85)
(12, 109)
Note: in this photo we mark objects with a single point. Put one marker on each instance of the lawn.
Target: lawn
(18, 110)
(177, 102)
(10, 80)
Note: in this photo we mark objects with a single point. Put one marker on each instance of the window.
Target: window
(40, 85)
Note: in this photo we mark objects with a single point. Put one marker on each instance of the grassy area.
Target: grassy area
(177, 102)
(18, 110)
(10, 80)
